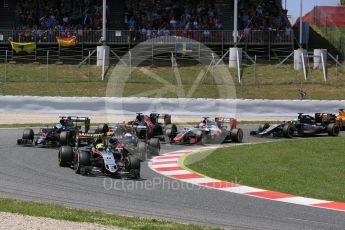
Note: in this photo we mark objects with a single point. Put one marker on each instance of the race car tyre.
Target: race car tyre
(77, 139)
(81, 159)
(236, 135)
(167, 135)
(65, 156)
(64, 138)
(333, 130)
(134, 162)
(167, 119)
(154, 146)
(288, 131)
(203, 139)
(263, 127)
(142, 151)
(170, 131)
(102, 129)
(133, 166)
(28, 134)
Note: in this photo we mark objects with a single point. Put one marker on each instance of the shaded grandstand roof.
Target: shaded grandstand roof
(326, 16)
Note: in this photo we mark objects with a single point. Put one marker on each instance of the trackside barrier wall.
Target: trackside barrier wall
(246, 109)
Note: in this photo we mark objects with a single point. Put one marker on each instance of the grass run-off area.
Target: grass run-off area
(312, 167)
(78, 215)
(259, 82)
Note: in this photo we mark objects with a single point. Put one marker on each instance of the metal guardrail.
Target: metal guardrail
(126, 37)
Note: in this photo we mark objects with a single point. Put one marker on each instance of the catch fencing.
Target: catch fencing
(126, 37)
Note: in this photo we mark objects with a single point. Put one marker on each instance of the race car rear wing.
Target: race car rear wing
(75, 120)
(161, 118)
(325, 118)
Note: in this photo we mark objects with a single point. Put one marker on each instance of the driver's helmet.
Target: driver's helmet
(128, 136)
(202, 125)
(100, 146)
(58, 126)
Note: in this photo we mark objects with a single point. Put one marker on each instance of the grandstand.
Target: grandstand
(264, 28)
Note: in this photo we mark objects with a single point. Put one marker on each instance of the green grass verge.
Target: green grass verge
(78, 215)
(309, 167)
(269, 82)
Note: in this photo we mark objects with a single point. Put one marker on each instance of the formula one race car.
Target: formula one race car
(99, 159)
(148, 127)
(284, 129)
(220, 130)
(45, 136)
(72, 133)
(340, 119)
(304, 125)
(67, 132)
(125, 138)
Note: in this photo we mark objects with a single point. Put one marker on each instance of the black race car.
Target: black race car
(100, 159)
(67, 132)
(45, 136)
(307, 125)
(304, 125)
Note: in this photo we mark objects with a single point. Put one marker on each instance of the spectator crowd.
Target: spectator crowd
(160, 17)
(146, 18)
(264, 15)
(60, 15)
(69, 17)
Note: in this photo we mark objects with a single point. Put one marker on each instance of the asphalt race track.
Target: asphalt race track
(32, 173)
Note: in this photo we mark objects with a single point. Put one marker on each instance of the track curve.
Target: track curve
(33, 174)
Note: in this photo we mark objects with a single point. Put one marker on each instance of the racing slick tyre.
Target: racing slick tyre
(28, 134)
(170, 131)
(236, 135)
(77, 139)
(81, 159)
(203, 139)
(288, 131)
(142, 151)
(154, 146)
(102, 129)
(167, 119)
(263, 127)
(65, 156)
(333, 130)
(133, 166)
(64, 138)
(167, 135)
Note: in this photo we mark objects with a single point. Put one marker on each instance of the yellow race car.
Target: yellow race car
(340, 119)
